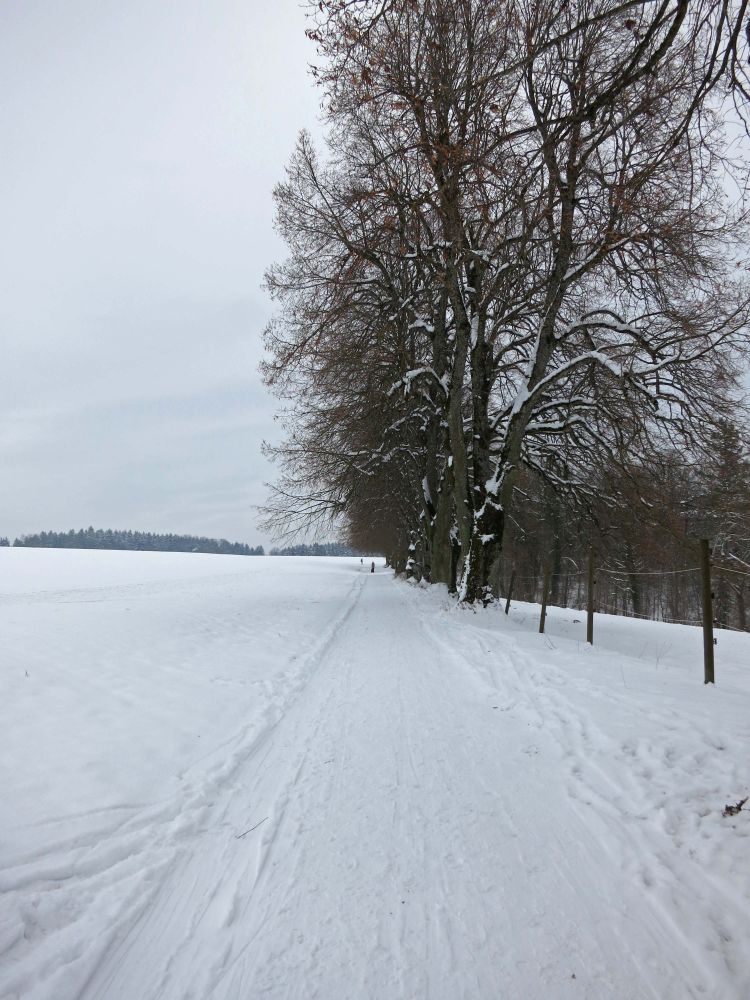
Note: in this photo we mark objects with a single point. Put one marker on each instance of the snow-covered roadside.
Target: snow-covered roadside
(131, 685)
(649, 754)
(228, 777)
(116, 687)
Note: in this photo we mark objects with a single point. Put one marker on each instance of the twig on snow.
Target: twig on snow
(239, 836)
(733, 810)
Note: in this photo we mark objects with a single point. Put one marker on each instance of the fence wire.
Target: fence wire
(673, 596)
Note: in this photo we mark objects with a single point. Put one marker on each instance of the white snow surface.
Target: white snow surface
(235, 778)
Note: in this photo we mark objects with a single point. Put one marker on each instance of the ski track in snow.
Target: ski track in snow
(426, 803)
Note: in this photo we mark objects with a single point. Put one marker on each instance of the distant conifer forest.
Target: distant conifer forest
(147, 541)
(141, 541)
(316, 549)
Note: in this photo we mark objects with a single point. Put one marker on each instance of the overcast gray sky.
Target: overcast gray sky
(140, 144)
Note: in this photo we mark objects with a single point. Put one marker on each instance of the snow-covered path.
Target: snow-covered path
(429, 810)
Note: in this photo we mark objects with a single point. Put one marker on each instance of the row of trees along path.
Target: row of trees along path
(515, 277)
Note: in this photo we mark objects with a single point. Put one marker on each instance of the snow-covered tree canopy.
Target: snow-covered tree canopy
(518, 253)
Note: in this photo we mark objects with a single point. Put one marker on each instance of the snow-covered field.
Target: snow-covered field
(234, 778)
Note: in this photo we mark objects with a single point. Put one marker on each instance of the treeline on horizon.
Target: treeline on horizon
(140, 541)
(316, 549)
(146, 541)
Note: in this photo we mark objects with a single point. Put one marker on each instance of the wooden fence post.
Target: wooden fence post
(590, 599)
(510, 590)
(545, 592)
(708, 614)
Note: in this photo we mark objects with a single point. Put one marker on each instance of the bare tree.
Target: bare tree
(518, 257)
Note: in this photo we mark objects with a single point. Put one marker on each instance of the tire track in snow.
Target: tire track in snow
(205, 864)
(130, 868)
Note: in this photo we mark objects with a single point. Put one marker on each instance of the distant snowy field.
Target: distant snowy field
(226, 777)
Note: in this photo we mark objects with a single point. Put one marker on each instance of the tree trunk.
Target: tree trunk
(460, 469)
(441, 570)
(741, 611)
